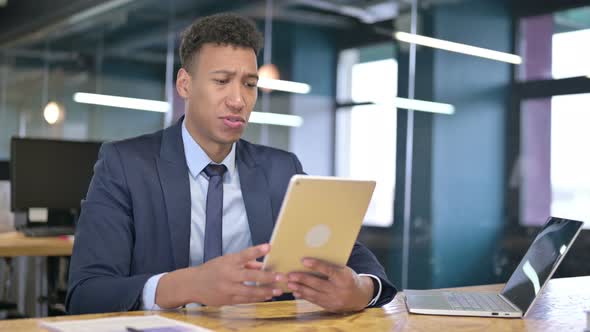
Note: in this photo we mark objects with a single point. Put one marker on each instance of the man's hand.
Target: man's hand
(342, 291)
(220, 281)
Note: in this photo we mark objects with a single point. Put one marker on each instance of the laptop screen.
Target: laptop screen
(540, 261)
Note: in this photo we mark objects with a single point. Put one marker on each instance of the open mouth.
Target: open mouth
(234, 122)
(234, 119)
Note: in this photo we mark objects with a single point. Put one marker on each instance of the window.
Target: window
(571, 51)
(554, 165)
(556, 45)
(366, 135)
(570, 163)
(553, 168)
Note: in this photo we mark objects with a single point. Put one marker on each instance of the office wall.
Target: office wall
(457, 211)
(314, 62)
(468, 147)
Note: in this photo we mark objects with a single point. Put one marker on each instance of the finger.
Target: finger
(255, 293)
(251, 253)
(264, 277)
(309, 280)
(329, 270)
(253, 265)
(303, 292)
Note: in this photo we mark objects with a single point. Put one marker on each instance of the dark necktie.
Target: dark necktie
(214, 212)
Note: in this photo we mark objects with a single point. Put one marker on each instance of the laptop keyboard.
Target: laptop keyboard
(477, 302)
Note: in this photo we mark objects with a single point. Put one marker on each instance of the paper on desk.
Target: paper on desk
(151, 323)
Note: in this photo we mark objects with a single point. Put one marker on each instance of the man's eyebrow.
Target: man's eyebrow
(222, 71)
(232, 73)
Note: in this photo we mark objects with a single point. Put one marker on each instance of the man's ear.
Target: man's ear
(183, 83)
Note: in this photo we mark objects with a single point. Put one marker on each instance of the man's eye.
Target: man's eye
(221, 81)
(251, 84)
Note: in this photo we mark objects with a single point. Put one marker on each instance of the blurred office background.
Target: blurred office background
(464, 181)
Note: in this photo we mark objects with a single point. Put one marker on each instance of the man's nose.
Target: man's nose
(235, 99)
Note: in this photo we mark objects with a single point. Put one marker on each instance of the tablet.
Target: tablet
(320, 218)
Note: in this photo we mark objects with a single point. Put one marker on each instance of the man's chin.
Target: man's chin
(228, 140)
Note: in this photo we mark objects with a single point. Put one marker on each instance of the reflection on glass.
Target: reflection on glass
(539, 262)
(529, 271)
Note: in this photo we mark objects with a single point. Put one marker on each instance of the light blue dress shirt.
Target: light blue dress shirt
(236, 230)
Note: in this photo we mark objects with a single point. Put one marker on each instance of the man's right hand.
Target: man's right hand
(220, 281)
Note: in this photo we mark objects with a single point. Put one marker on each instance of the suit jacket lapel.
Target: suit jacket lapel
(256, 196)
(173, 173)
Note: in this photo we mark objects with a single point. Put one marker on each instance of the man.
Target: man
(182, 215)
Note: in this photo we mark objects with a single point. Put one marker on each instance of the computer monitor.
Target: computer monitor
(51, 174)
(4, 174)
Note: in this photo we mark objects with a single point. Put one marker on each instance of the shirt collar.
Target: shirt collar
(197, 159)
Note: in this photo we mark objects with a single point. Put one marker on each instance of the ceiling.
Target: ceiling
(74, 30)
(66, 30)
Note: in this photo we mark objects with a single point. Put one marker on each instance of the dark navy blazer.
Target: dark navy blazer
(135, 220)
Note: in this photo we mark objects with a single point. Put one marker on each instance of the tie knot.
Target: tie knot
(215, 170)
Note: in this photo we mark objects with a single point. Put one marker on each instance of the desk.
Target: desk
(15, 244)
(561, 308)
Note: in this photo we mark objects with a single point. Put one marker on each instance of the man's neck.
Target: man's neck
(215, 151)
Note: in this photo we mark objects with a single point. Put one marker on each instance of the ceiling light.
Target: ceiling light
(53, 113)
(423, 106)
(268, 71)
(457, 47)
(287, 86)
(409, 104)
(160, 106)
(122, 102)
(276, 119)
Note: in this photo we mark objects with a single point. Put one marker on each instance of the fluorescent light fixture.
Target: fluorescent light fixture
(161, 106)
(122, 102)
(276, 119)
(423, 106)
(414, 104)
(104, 7)
(287, 86)
(457, 47)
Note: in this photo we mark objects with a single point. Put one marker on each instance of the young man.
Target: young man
(181, 215)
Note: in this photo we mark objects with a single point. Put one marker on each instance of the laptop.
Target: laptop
(320, 217)
(522, 289)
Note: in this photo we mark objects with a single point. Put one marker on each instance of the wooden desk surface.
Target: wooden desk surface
(560, 308)
(14, 244)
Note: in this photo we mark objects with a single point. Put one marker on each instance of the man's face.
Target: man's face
(220, 92)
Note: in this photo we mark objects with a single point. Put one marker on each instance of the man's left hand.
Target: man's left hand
(342, 291)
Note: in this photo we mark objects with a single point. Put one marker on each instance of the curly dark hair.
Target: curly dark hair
(220, 29)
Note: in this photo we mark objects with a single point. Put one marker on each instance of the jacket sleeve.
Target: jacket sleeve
(362, 260)
(100, 279)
